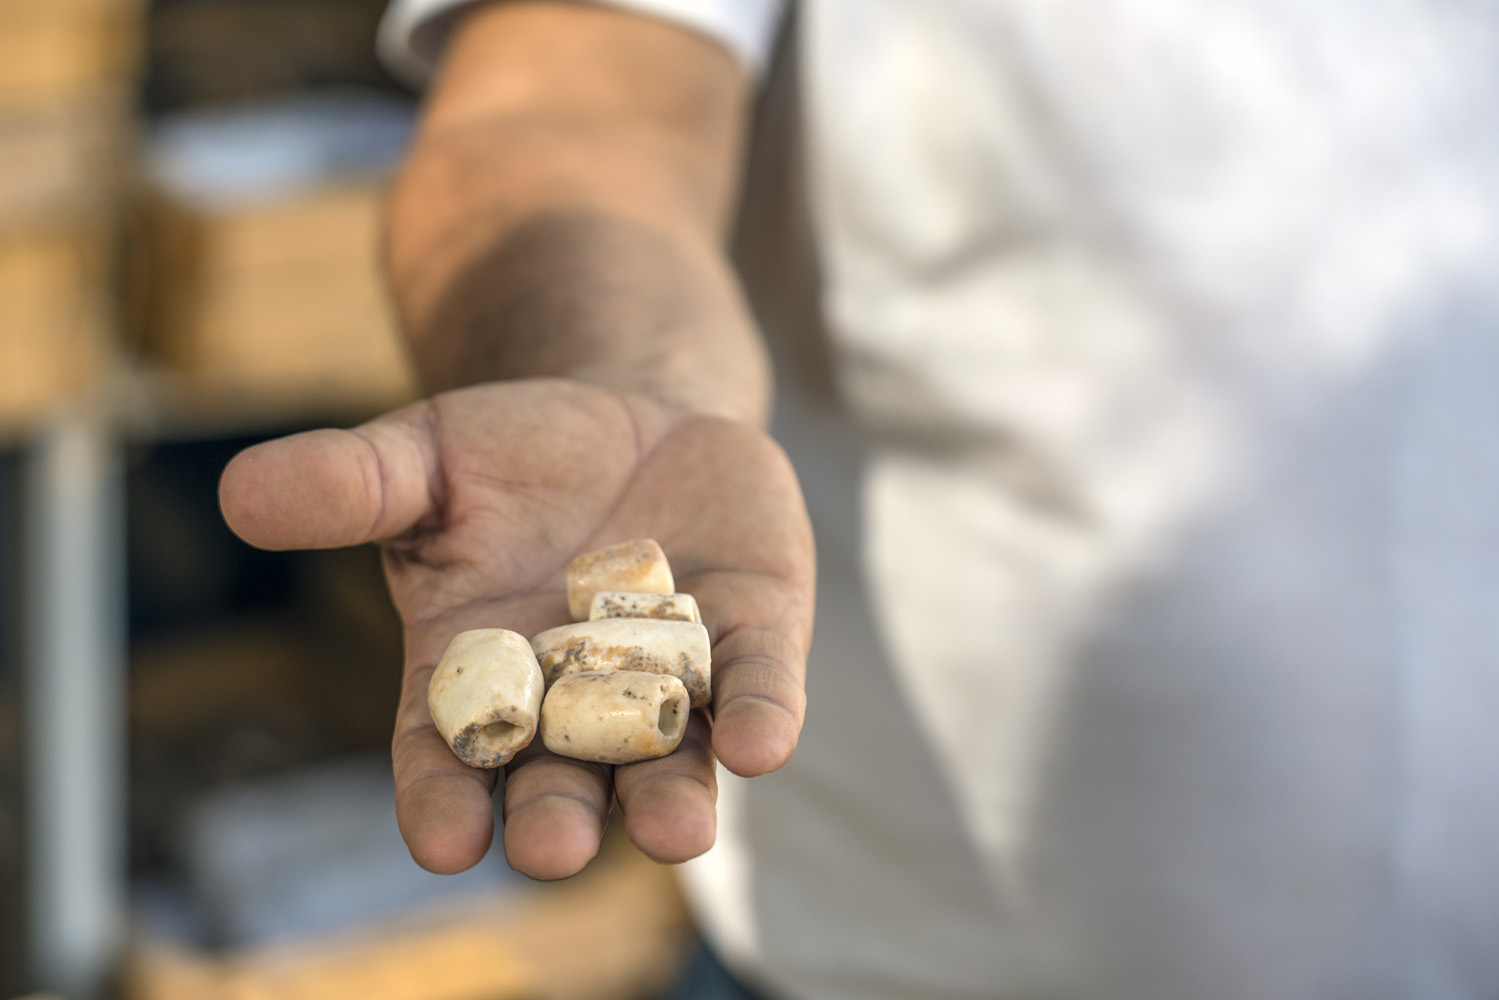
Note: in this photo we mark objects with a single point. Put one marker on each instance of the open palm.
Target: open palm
(479, 498)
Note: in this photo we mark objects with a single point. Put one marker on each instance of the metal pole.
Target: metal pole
(74, 661)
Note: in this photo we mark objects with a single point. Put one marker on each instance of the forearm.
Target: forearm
(563, 211)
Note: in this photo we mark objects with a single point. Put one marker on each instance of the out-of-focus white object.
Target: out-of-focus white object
(227, 157)
(414, 31)
(312, 852)
(75, 650)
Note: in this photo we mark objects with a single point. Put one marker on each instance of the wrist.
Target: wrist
(684, 390)
(598, 299)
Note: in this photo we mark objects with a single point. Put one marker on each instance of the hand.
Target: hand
(479, 498)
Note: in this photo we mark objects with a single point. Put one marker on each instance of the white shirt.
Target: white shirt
(1160, 660)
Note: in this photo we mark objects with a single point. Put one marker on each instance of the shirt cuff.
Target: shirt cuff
(414, 33)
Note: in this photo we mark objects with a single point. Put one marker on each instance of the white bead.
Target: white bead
(620, 604)
(615, 717)
(638, 567)
(653, 645)
(485, 695)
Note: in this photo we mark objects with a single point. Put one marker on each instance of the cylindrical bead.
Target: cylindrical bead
(621, 604)
(617, 717)
(637, 566)
(485, 695)
(653, 645)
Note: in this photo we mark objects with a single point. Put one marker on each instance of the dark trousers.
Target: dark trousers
(706, 979)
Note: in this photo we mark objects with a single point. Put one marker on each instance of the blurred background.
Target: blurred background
(195, 793)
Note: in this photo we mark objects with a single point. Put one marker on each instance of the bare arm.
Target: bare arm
(554, 245)
(564, 207)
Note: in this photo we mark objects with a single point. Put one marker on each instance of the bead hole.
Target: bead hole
(672, 718)
(497, 733)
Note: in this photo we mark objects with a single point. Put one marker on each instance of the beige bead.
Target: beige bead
(615, 717)
(619, 604)
(638, 567)
(485, 695)
(650, 644)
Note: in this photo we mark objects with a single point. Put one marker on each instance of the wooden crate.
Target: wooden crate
(66, 69)
(54, 316)
(279, 299)
(67, 47)
(63, 159)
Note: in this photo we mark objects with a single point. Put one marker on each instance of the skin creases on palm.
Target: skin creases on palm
(479, 499)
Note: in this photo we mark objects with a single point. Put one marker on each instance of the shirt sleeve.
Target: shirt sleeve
(414, 32)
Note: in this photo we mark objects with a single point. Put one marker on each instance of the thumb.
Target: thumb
(329, 488)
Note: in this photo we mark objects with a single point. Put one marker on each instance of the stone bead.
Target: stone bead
(653, 645)
(621, 604)
(637, 567)
(485, 695)
(614, 717)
